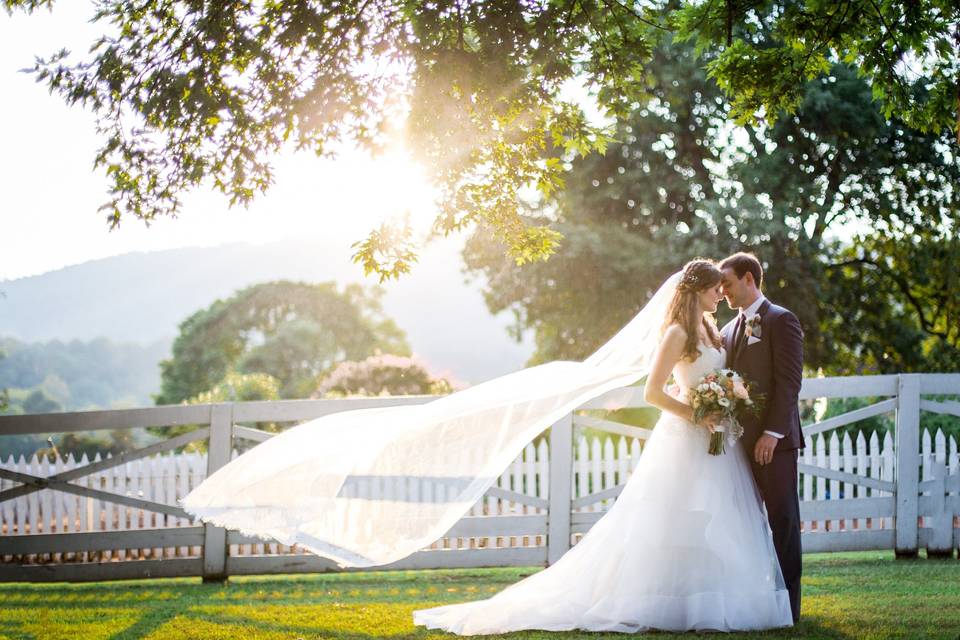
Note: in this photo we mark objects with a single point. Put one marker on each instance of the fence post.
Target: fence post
(908, 463)
(561, 483)
(218, 454)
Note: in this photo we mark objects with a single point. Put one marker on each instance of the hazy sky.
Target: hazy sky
(50, 194)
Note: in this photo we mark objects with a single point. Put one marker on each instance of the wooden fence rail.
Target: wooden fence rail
(116, 516)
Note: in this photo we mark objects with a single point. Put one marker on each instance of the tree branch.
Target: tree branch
(639, 17)
(904, 287)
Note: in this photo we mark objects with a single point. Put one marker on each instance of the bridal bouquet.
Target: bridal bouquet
(722, 391)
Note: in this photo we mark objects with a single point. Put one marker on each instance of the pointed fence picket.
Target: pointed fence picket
(609, 470)
(182, 488)
(140, 518)
(926, 467)
(887, 457)
(863, 469)
(84, 505)
(834, 494)
(850, 467)
(582, 471)
(876, 471)
(155, 487)
(34, 523)
(820, 447)
(806, 480)
(596, 475)
(543, 482)
(529, 483)
(622, 461)
(119, 517)
(8, 526)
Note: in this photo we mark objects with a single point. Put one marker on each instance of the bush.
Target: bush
(382, 375)
(240, 387)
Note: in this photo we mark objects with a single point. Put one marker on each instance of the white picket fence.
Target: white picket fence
(117, 517)
(166, 478)
(601, 463)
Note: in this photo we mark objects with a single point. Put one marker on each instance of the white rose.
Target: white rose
(723, 402)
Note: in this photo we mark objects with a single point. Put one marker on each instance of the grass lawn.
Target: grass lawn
(846, 595)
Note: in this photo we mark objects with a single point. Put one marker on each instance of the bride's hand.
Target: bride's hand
(711, 420)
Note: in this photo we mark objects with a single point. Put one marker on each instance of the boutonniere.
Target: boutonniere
(753, 329)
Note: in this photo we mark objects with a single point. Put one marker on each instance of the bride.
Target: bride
(685, 546)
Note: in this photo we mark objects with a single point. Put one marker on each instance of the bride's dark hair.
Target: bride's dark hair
(684, 309)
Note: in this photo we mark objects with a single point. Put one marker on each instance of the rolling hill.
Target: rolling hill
(142, 297)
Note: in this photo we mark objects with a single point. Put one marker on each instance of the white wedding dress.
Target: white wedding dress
(686, 546)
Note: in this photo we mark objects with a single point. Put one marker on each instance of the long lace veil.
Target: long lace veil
(310, 485)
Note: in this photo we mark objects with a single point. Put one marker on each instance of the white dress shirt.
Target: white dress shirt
(752, 309)
(750, 312)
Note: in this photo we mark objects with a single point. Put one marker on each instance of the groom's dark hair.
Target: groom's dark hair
(743, 262)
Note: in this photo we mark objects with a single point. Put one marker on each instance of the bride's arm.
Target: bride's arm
(668, 354)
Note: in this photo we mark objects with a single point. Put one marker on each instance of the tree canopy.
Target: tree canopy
(292, 331)
(852, 213)
(189, 93)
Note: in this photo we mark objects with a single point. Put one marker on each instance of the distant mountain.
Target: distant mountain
(142, 297)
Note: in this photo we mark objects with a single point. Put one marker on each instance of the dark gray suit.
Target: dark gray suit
(774, 368)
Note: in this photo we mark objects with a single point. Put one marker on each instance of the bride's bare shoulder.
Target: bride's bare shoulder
(674, 334)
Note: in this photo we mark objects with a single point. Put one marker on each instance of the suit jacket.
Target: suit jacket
(774, 368)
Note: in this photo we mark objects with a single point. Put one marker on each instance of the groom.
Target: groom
(764, 343)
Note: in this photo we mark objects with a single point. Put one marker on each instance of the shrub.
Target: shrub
(382, 375)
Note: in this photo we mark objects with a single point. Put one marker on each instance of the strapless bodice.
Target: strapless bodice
(687, 373)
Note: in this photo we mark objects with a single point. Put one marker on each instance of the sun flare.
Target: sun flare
(399, 188)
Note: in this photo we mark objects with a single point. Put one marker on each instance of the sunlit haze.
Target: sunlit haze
(51, 195)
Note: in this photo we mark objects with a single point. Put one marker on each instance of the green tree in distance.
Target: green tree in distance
(292, 331)
(39, 402)
(187, 92)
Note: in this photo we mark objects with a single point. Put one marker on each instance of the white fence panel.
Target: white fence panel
(846, 487)
(602, 462)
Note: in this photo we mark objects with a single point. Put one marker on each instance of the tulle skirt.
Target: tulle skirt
(686, 546)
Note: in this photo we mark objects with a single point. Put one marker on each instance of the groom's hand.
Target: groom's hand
(763, 451)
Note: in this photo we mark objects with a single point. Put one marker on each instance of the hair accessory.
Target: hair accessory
(689, 282)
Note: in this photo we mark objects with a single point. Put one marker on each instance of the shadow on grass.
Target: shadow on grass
(324, 605)
(151, 624)
(845, 596)
(814, 628)
(145, 625)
